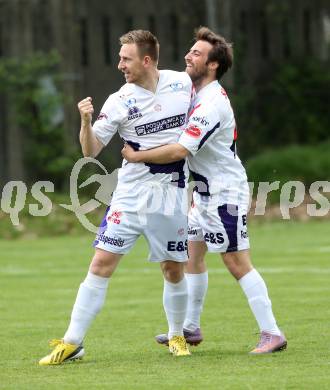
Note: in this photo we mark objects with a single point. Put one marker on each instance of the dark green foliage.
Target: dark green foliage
(303, 163)
(291, 107)
(29, 85)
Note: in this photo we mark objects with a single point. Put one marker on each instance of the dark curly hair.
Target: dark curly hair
(221, 52)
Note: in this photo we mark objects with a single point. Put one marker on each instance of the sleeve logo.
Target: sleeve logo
(201, 119)
(102, 115)
(193, 131)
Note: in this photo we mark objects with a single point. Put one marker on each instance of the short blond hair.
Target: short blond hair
(146, 42)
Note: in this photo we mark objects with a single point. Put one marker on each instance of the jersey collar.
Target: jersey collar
(207, 88)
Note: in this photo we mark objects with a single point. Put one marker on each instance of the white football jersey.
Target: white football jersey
(147, 120)
(210, 136)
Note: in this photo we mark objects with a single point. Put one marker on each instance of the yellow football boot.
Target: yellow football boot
(62, 352)
(178, 346)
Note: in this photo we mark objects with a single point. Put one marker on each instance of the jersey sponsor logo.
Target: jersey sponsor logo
(192, 231)
(161, 125)
(177, 246)
(201, 119)
(193, 131)
(130, 102)
(214, 238)
(102, 115)
(244, 234)
(177, 86)
(133, 113)
(110, 240)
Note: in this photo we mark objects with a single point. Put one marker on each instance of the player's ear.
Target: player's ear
(147, 61)
(214, 65)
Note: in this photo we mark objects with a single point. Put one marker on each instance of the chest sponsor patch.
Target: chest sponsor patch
(161, 125)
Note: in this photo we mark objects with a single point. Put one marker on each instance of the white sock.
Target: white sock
(256, 292)
(89, 301)
(175, 298)
(197, 288)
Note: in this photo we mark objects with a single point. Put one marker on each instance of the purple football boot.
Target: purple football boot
(192, 337)
(269, 343)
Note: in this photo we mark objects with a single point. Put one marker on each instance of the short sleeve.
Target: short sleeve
(108, 121)
(202, 124)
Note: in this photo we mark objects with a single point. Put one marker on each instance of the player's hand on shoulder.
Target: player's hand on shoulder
(128, 153)
(86, 109)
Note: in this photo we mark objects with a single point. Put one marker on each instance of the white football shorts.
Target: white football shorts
(223, 227)
(156, 211)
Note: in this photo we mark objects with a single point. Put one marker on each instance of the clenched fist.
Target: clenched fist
(86, 110)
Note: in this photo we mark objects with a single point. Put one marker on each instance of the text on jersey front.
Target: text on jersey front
(161, 125)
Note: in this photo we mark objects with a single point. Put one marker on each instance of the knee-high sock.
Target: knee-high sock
(89, 301)
(256, 292)
(175, 305)
(197, 288)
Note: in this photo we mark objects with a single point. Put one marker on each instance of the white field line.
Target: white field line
(12, 270)
(323, 249)
(268, 270)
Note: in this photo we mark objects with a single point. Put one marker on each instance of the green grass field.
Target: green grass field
(39, 281)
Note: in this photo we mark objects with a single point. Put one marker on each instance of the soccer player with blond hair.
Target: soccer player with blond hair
(148, 111)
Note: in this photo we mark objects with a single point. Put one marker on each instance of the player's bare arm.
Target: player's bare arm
(162, 155)
(90, 145)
